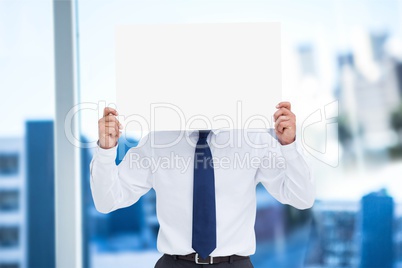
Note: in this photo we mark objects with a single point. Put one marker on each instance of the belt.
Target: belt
(194, 257)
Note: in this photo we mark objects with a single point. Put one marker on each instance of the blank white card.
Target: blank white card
(198, 76)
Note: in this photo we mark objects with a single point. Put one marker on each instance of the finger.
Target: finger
(111, 118)
(281, 127)
(109, 110)
(106, 124)
(281, 119)
(282, 111)
(111, 131)
(284, 104)
(114, 124)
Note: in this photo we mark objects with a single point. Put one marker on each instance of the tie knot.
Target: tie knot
(203, 134)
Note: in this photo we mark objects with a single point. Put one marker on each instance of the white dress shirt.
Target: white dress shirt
(164, 161)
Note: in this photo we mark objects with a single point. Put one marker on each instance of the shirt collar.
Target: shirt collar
(192, 132)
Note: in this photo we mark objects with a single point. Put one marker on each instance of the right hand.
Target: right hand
(109, 128)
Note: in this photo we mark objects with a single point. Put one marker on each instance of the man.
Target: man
(205, 185)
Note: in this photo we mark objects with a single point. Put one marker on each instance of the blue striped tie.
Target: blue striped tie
(204, 211)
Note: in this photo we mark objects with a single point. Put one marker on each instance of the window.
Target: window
(333, 51)
(9, 236)
(9, 200)
(9, 265)
(9, 163)
(27, 90)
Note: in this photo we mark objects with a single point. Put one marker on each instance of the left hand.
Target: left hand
(285, 123)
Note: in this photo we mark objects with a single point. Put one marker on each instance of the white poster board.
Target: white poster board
(197, 76)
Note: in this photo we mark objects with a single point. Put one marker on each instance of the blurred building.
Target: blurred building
(369, 93)
(309, 80)
(270, 222)
(40, 194)
(307, 60)
(333, 238)
(12, 203)
(27, 237)
(398, 238)
(377, 220)
(27, 198)
(398, 70)
(378, 41)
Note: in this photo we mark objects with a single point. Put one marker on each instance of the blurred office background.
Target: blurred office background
(342, 71)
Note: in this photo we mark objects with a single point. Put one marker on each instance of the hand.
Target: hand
(109, 128)
(285, 123)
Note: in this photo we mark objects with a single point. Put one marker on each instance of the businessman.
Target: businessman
(205, 183)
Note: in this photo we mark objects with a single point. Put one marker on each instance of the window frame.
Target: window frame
(68, 219)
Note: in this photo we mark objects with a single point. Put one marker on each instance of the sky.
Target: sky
(26, 63)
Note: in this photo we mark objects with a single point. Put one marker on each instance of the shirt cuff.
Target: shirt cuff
(290, 151)
(106, 156)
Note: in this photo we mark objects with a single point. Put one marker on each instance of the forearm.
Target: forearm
(298, 184)
(115, 187)
(104, 179)
(110, 187)
(290, 180)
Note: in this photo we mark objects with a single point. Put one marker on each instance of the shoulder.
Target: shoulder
(260, 136)
(253, 138)
(166, 138)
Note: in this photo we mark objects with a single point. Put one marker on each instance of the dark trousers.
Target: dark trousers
(167, 261)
